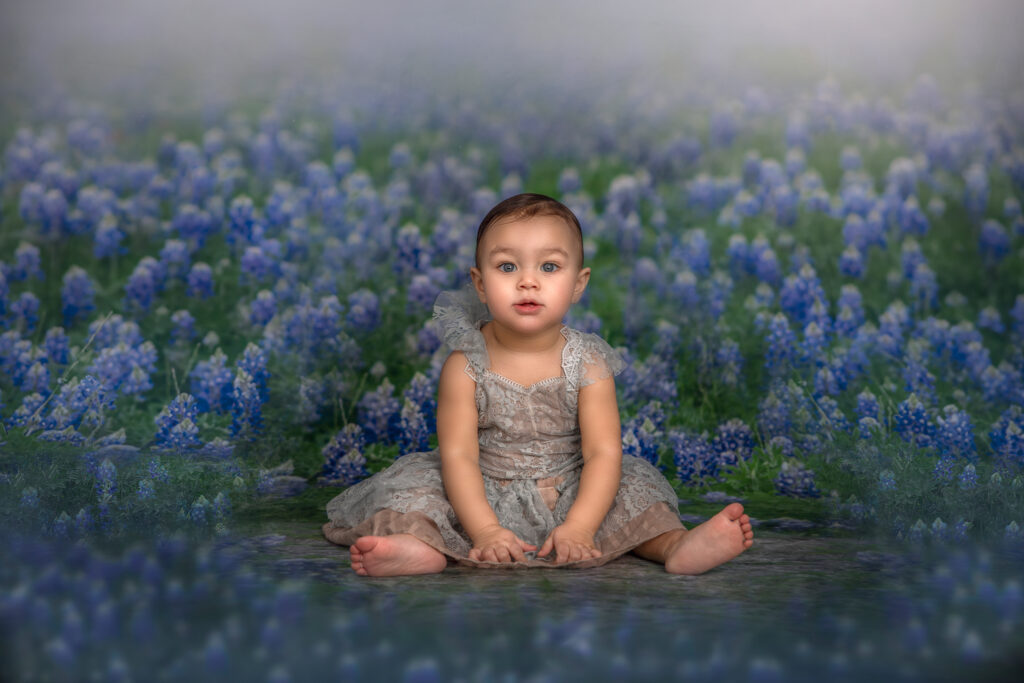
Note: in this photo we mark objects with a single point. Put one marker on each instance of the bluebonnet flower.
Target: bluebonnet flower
(799, 292)
(193, 225)
(728, 363)
(733, 442)
(254, 363)
(911, 256)
(363, 311)
(1017, 314)
(813, 345)
(976, 190)
(183, 329)
(146, 490)
(831, 417)
(1006, 438)
(738, 252)
(107, 238)
(913, 423)
(378, 412)
(993, 242)
(246, 407)
(867, 405)
(851, 262)
(422, 392)
(955, 433)
(211, 384)
(311, 398)
(57, 346)
(80, 402)
(684, 290)
(696, 463)
(421, 294)
(642, 434)
(718, 292)
(30, 202)
(989, 319)
(696, 251)
(943, 471)
(344, 462)
(29, 497)
(106, 480)
(176, 424)
(200, 281)
(244, 225)
(257, 265)
(429, 337)
(781, 345)
(413, 432)
(886, 480)
(175, 259)
(968, 478)
(77, 295)
(262, 308)
(654, 379)
(27, 263)
(913, 220)
(797, 131)
(125, 368)
(25, 310)
(141, 287)
(796, 480)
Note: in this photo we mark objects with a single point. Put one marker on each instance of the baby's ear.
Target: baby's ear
(478, 283)
(582, 278)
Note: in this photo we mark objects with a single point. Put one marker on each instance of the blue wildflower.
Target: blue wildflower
(211, 384)
(781, 345)
(413, 433)
(27, 263)
(254, 362)
(263, 308)
(200, 281)
(696, 463)
(955, 433)
(25, 310)
(77, 295)
(363, 311)
(913, 423)
(968, 478)
(733, 442)
(344, 462)
(378, 412)
(183, 326)
(176, 424)
(246, 407)
(795, 480)
(993, 242)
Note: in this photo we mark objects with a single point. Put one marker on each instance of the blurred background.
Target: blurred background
(232, 43)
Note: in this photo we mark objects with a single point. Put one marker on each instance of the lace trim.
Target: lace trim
(586, 358)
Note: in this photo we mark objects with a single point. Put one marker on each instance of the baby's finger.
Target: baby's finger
(526, 546)
(488, 555)
(503, 554)
(517, 553)
(474, 555)
(546, 547)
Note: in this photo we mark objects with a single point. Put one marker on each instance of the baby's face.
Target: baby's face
(529, 272)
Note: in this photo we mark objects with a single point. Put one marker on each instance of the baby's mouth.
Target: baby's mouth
(527, 306)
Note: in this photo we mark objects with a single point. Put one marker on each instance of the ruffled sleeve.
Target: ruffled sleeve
(460, 314)
(591, 359)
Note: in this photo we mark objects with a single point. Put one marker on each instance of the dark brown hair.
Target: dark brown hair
(525, 206)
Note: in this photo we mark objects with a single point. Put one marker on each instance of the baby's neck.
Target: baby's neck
(507, 341)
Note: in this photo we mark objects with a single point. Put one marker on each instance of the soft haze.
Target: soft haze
(222, 42)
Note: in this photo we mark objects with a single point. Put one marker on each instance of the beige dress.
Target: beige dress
(529, 457)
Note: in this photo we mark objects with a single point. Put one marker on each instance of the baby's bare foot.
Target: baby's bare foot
(394, 555)
(712, 543)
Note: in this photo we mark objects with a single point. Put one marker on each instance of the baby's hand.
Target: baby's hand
(570, 544)
(498, 544)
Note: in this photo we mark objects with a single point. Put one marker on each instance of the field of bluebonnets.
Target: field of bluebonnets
(818, 290)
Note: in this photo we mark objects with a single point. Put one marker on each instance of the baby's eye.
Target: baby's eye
(507, 267)
(549, 267)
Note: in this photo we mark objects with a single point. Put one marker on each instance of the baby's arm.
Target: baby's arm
(460, 468)
(601, 443)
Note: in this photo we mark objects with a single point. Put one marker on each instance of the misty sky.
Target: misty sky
(224, 39)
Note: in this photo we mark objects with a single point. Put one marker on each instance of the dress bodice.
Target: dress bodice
(525, 432)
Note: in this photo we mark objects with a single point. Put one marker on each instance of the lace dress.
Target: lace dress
(529, 456)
